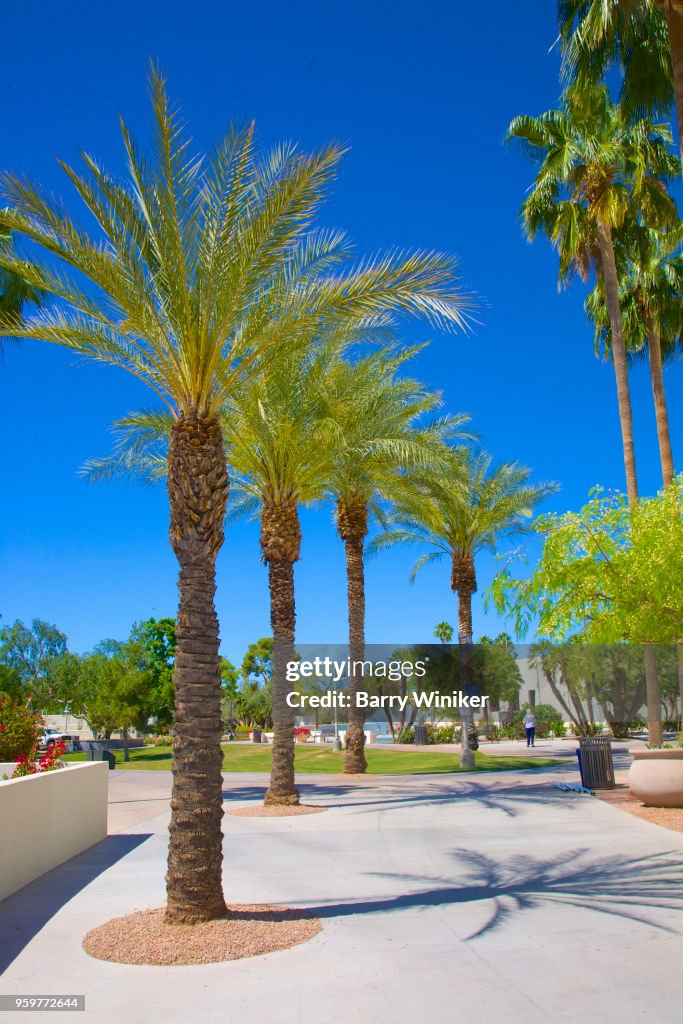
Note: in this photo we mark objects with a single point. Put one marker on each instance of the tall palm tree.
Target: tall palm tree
(642, 37)
(380, 434)
(594, 168)
(651, 266)
(652, 313)
(199, 274)
(470, 507)
(458, 512)
(277, 449)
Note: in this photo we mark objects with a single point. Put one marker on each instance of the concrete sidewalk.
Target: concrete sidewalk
(479, 897)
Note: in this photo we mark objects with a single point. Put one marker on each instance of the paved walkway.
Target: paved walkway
(483, 898)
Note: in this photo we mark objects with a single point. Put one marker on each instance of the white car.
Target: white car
(51, 736)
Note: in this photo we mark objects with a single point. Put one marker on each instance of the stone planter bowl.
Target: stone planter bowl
(656, 777)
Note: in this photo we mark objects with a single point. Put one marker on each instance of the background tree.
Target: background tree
(596, 167)
(607, 574)
(157, 644)
(472, 507)
(444, 632)
(118, 692)
(643, 38)
(33, 654)
(383, 428)
(651, 298)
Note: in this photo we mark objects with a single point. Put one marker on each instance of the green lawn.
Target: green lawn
(244, 757)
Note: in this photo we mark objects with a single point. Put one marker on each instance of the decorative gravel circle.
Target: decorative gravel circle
(251, 930)
(275, 810)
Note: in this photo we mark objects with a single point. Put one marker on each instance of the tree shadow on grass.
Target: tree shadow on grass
(26, 912)
(632, 889)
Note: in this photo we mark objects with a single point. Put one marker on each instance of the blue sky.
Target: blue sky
(422, 95)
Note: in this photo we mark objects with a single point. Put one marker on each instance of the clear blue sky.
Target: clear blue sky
(422, 94)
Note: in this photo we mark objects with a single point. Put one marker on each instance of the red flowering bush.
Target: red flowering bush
(48, 762)
(20, 730)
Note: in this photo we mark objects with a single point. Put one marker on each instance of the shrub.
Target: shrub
(547, 718)
(406, 735)
(20, 730)
(442, 734)
(49, 762)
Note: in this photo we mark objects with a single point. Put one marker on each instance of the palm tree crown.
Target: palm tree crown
(471, 507)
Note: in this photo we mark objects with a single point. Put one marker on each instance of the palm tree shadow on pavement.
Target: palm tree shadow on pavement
(24, 913)
(632, 889)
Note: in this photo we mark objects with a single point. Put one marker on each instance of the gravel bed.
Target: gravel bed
(622, 797)
(250, 930)
(275, 811)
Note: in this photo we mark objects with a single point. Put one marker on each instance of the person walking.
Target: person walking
(530, 727)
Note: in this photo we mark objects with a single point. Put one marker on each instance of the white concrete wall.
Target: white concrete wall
(48, 818)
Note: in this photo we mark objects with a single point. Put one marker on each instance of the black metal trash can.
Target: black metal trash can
(256, 736)
(595, 762)
(420, 735)
(103, 755)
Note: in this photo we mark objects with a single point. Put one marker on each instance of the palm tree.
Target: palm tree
(651, 268)
(470, 507)
(443, 632)
(15, 292)
(651, 293)
(202, 271)
(595, 168)
(278, 452)
(642, 37)
(379, 435)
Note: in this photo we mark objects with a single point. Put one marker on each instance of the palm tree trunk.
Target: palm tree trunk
(198, 490)
(673, 10)
(464, 584)
(611, 280)
(352, 522)
(654, 349)
(610, 277)
(280, 544)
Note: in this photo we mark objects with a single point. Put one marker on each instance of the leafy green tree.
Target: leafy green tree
(607, 574)
(202, 270)
(596, 168)
(117, 691)
(255, 699)
(33, 654)
(229, 691)
(258, 661)
(157, 641)
(10, 682)
(495, 671)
